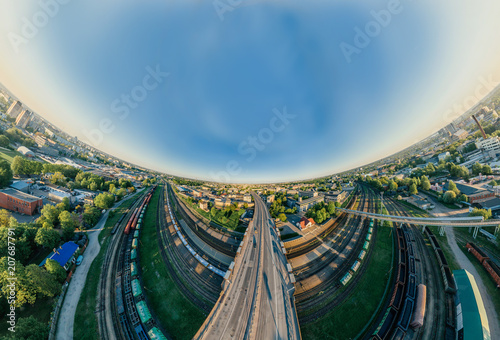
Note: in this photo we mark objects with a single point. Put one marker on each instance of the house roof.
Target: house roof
(62, 254)
(20, 195)
(466, 189)
(490, 203)
(305, 221)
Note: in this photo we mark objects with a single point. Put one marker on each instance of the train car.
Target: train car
(366, 245)
(155, 334)
(119, 298)
(355, 266)
(133, 254)
(398, 334)
(406, 314)
(449, 282)
(129, 223)
(136, 233)
(345, 280)
(369, 237)
(402, 256)
(143, 311)
(370, 230)
(139, 330)
(397, 296)
(362, 255)
(401, 277)
(410, 249)
(493, 270)
(133, 269)
(411, 288)
(441, 259)
(134, 243)
(419, 313)
(411, 265)
(477, 252)
(384, 328)
(136, 288)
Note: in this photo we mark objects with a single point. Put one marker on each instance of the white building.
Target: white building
(442, 156)
(490, 145)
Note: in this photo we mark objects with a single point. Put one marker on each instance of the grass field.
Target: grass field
(85, 319)
(9, 154)
(178, 316)
(348, 320)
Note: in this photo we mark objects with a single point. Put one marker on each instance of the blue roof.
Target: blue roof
(62, 254)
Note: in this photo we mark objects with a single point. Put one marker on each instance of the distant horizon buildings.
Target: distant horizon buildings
(23, 119)
(15, 109)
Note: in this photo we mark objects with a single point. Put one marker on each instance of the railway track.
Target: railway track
(431, 277)
(304, 248)
(108, 323)
(227, 248)
(317, 296)
(171, 260)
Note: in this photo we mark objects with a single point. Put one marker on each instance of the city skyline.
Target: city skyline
(186, 125)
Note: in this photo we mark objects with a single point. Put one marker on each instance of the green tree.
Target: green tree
(331, 208)
(4, 141)
(47, 237)
(282, 217)
(54, 268)
(5, 216)
(481, 212)
(50, 213)
(453, 187)
(413, 189)
(5, 173)
(90, 215)
(30, 329)
(213, 212)
(493, 183)
(58, 178)
(425, 183)
(449, 197)
(104, 200)
(393, 186)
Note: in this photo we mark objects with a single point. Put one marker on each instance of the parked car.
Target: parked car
(79, 260)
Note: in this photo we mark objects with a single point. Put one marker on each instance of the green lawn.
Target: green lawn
(348, 319)
(180, 318)
(85, 319)
(9, 154)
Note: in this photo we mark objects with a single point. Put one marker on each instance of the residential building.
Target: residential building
(23, 119)
(204, 205)
(304, 205)
(305, 223)
(63, 255)
(18, 201)
(270, 199)
(336, 196)
(15, 109)
(247, 198)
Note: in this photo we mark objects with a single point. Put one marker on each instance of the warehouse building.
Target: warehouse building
(17, 201)
(472, 321)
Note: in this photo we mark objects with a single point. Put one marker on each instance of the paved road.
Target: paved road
(68, 310)
(257, 303)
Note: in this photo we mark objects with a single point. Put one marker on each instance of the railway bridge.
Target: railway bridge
(475, 222)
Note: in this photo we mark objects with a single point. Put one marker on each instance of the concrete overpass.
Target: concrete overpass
(257, 301)
(475, 222)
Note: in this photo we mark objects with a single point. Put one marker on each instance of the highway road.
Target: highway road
(257, 303)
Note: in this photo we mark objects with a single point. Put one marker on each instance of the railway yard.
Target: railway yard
(415, 299)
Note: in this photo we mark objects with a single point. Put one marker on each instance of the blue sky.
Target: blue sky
(226, 79)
